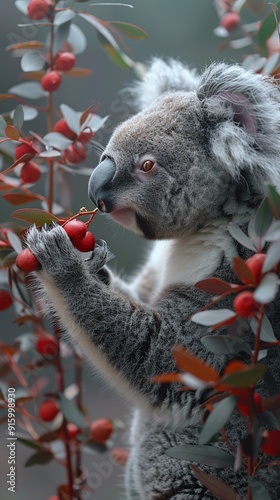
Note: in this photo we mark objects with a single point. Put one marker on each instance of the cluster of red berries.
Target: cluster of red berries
(77, 231)
(30, 171)
(64, 61)
(76, 152)
(244, 303)
(230, 21)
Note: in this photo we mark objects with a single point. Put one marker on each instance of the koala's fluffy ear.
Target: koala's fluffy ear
(160, 78)
(240, 113)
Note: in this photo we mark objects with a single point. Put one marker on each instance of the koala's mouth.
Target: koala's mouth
(125, 217)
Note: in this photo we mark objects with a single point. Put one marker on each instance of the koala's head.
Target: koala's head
(198, 149)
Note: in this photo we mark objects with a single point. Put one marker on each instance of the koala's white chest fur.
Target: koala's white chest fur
(186, 260)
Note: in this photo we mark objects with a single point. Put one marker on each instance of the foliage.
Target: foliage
(54, 424)
(237, 389)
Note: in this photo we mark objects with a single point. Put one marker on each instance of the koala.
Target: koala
(197, 155)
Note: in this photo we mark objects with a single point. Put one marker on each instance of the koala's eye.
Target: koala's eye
(147, 165)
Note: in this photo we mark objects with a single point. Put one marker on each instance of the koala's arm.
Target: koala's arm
(128, 341)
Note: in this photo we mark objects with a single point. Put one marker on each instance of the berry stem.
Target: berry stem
(79, 375)
(60, 383)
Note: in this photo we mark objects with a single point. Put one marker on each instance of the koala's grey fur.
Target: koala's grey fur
(215, 143)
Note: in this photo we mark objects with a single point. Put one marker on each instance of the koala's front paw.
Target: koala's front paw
(54, 251)
(98, 257)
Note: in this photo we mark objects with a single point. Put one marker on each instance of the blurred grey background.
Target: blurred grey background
(177, 28)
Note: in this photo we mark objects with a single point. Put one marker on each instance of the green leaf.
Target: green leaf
(72, 118)
(269, 419)
(272, 257)
(241, 237)
(29, 443)
(40, 458)
(18, 118)
(77, 39)
(20, 198)
(267, 334)
(30, 90)
(273, 234)
(214, 485)
(259, 492)
(217, 419)
(207, 455)
(214, 285)
(9, 260)
(267, 289)
(267, 28)
(34, 215)
(211, 318)
(130, 30)
(264, 217)
(48, 437)
(244, 378)
(115, 55)
(242, 271)
(57, 140)
(64, 16)
(274, 201)
(32, 61)
(71, 412)
(3, 125)
(61, 33)
(225, 344)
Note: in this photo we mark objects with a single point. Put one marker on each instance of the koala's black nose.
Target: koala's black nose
(100, 184)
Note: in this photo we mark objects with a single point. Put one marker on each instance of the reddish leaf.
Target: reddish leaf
(215, 285)
(191, 364)
(20, 198)
(12, 132)
(86, 114)
(78, 72)
(34, 215)
(242, 271)
(130, 30)
(24, 319)
(31, 45)
(214, 485)
(23, 159)
(166, 378)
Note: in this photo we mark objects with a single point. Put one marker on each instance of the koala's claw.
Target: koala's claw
(99, 255)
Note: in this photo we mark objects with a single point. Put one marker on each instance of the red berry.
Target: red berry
(120, 455)
(51, 81)
(87, 243)
(271, 445)
(47, 346)
(255, 264)
(245, 304)
(65, 61)
(48, 410)
(230, 21)
(5, 300)
(30, 173)
(24, 149)
(244, 406)
(76, 230)
(62, 128)
(101, 430)
(73, 430)
(26, 261)
(38, 9)
(75, 153)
